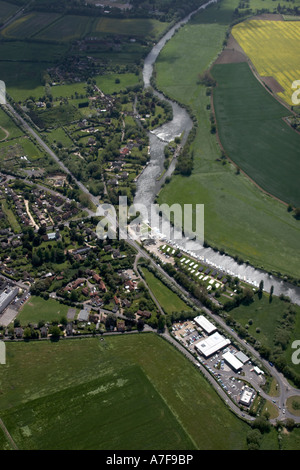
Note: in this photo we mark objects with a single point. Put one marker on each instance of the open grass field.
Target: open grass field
(239, 217)
(23, 80)
(293, 405)
(29, 25)
(169, 301)
(265, 316)
(31, 51)
(10, 216)
(17, 148)
(36, 309)
(67, 28)
(107, 83)
(279, 56)
(8, 126)
(142, 27)
(59, 135)
(126, 392)
(291, 440)
(253, 133)
(6, 11)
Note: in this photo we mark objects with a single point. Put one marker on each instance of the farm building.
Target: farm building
(205, 324)
(212, 344)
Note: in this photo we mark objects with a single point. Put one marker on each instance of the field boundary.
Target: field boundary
(263, 84)
(8, 436)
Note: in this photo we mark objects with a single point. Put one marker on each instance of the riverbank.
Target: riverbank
(239, 219)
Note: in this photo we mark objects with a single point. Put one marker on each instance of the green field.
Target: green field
(239, 218)
(265, 315)
(23, 80)
(7, 124)
(169, 301)
(129, 392)
(31, 51)
(131, 27)
(6, 11)
(107, 83)
(11, 217)
(291, 440)
(29, 25)
(67, 28)
(253, 133)
(36, 309)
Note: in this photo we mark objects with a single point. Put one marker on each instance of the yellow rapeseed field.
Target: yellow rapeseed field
(273, 48)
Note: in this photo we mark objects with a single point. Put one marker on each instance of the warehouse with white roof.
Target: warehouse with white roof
(232, 361)
(212, 344)
(205, 324)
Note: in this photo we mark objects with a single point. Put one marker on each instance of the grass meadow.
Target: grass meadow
(131, 27)
(126, 392)
(265, 316)
(169, 301)
(36, 309)
(29, 25)
(239, 217)
(7, 124)
(67, 28)
(6, 11)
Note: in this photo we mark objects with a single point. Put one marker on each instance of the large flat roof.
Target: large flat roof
(246, 397)
(242, 357)
(212, 344)
(204, 323)
(232, 360)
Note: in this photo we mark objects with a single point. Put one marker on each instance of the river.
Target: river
(148, 186)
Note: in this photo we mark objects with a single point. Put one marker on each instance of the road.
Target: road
(285, 389)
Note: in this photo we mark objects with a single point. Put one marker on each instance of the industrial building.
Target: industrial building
(212, 344)
(242, 357)
(246, 396)
(205, 324)
(232, 361)
(7, 296)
